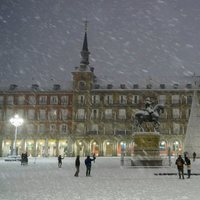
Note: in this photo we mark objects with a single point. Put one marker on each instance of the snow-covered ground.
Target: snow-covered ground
(43, 180)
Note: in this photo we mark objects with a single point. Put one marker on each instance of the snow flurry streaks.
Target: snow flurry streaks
(129, 40)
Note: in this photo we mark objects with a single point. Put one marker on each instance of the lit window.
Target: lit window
(63, 128)
(176, 128)
(176, 113)
(31, 114)
(122, 114)
(31, 100)
(135, 99)
(42, 114)
(52, 114)
(95, 99)
(64, 100)
(81, 114)
(108, 114)
(9, 113)
(52, 128)
(162, 99)
(64, 114)
(189, 99)
(176, 146)
(30, 128)
(53, 100)
(175, 99)
(10, 100)
(122, 99)
(162, 145)
(108, 99)
(43, 100)
(20, 100)
(42, 128)
(95, 114)
(81, 99)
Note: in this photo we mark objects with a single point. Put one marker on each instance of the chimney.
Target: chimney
(175, 86)
(13, 87)
(135, 86)
(149, 86)
(123, 86)
(109, 86)
(35, 87)
(189, 86)
(56, 87)
(162, 86)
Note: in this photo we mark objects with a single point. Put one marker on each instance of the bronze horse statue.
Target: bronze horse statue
(146, 116)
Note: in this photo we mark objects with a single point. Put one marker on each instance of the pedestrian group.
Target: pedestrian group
(88, 164)
(180, 162)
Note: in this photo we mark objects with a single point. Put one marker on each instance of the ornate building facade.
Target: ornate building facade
(89, 118)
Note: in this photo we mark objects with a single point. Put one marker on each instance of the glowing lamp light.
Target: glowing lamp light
(16, 121)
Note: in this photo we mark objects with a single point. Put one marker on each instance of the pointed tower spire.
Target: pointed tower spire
(85, 52)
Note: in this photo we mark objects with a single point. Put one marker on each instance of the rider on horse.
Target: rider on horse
(149, 107)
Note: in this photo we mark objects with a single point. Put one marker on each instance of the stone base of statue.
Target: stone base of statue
(146, 149)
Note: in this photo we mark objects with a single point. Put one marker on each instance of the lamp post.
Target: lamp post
(122, 152)
(16, 121)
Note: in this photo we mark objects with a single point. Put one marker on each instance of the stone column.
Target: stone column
(101, 151)
(34, 148)
(1, 144)
(114, 149)
(11, 146)
(57, 146)
(46, 147)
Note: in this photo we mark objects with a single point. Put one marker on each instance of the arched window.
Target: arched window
(176, 146)
(162, 145)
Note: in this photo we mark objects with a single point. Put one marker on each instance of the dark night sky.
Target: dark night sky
(130, 41)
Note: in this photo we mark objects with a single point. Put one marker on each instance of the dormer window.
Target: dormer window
(82, 85)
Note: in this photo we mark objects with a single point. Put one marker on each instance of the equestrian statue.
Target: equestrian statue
(149, 114)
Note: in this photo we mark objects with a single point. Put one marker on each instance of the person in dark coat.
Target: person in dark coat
(24, 159)
(88, 164)
(60, 161)
(185, 155)
(188, 164)
(77, 165)
(180, 166)
(194, 156)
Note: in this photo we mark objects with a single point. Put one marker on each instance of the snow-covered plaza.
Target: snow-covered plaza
(43, 180)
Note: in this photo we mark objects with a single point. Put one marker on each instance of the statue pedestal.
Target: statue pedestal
(146, 149)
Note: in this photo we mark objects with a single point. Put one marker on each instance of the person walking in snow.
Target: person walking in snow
(180, 166)
(77, 165)
(88, 164)
(194, 156)
(60, 161)
(188, 164)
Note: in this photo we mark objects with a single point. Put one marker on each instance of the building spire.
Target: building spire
(85, 52)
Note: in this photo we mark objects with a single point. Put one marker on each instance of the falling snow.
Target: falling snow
(142, 39)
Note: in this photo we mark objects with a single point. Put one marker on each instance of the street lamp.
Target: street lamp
(16, 121)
